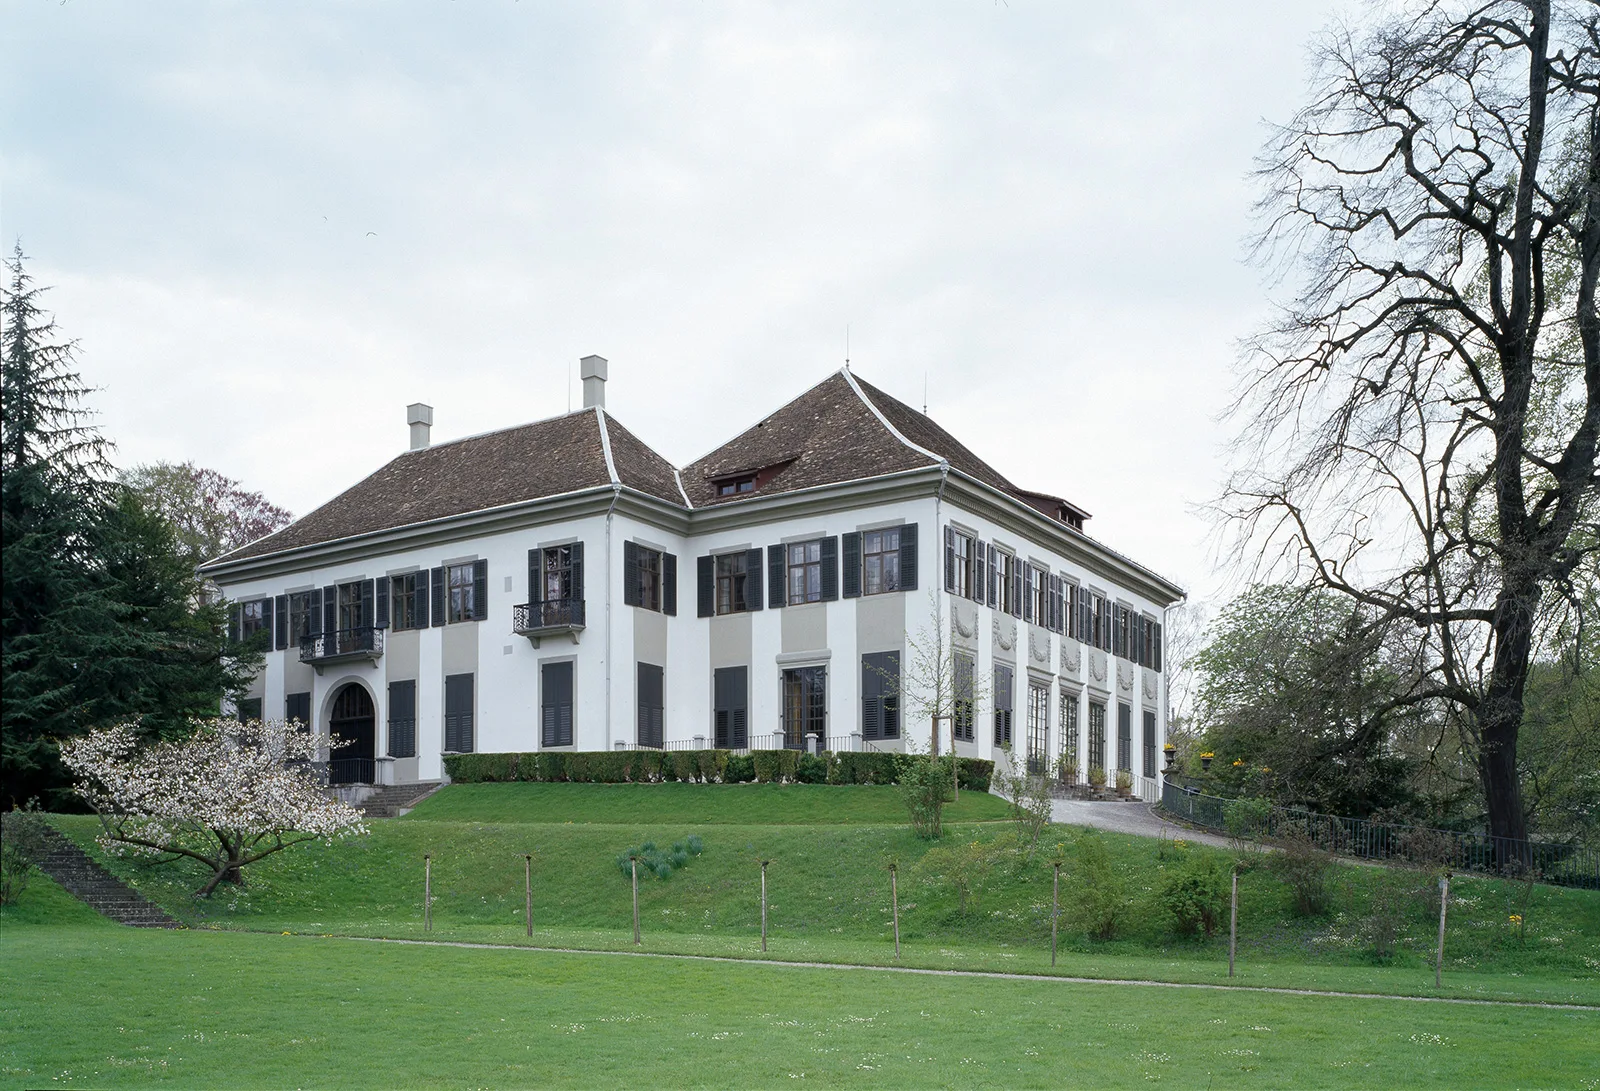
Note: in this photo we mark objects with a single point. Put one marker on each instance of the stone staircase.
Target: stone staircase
(394, 800)
(97, 888)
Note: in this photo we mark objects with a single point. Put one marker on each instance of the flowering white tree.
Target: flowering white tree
(230, 794)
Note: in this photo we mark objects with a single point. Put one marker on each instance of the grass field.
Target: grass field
(697, 804)
(98, 1005)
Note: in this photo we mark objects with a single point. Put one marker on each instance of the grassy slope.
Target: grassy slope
(739, 804)
(829, 902)
(102, 1006)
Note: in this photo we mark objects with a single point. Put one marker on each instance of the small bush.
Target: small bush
(775, 766)
(1393, 895)
(974, 774)
(685, 765)
(1245, 820)
(713, 764)
(1304, 868)
(867, 767)
(964, 865)
(1097, 898)
(23, 844)
(740, 769)
(659, 862)
(926, 786)
(811, 769)
(1195, 895)
(475, 768)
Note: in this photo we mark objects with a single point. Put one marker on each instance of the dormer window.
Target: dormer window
(733, 486)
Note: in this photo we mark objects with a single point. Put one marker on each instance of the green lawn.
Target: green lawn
(696, 804)
(106, 1006)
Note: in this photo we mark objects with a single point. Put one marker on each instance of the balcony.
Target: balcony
(342, 646)
(558, 617)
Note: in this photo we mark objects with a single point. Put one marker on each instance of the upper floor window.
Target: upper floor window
(1005, 599)
(355, 605)
(1100, 623)
(561, 574)
(407, 605)
(804, 581)
(303, 620)
(254, 617)
(650, 579)
(732, 577)
(960, 562)
(880, 560)
(461, 599)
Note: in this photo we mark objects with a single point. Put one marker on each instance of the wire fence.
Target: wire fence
(1559, 865)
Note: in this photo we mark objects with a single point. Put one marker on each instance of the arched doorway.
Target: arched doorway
(352, 719)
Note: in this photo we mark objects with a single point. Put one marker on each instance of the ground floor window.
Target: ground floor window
(555, 704)
(1002, 706)
(250, 708)
(1097, 736)
(730, 708)
(1069, 727)
(805, 705)
(1038, 731)
(297, 709)
(962, 710)
(1149, 743)
(1124, 737)
(652, 706)
(458, 713)
(403, 719)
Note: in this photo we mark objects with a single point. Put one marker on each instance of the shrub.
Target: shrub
(964, 865)
(23, 843)
(473, 768)
(925, 785)
(1195, 894)
(811, 769)
(740, 769)
(974, 774)
(656, 861)
(685, 765)
(1245, 820)
(713, 764)
(1393, 893)
(866, 767)
(1097, 898)
(1303, 867)
(553, 766)
(775, 766)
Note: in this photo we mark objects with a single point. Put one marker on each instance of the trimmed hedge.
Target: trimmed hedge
(698, 766)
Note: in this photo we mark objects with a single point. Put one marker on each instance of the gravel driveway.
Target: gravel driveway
(1137, 818)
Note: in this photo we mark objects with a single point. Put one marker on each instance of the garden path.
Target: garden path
(1135, 818)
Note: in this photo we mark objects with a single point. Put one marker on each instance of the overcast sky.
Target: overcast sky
(271, 226)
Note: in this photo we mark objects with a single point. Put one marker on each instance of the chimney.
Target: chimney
(420, 417)
(592, 370)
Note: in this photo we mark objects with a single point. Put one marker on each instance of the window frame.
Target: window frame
(731, 572)
(1005, 581)
(809, 569)
(886, 555)
(649, 566)
(460, 598)
(403, 601)
(804, 697)
(964, 705)
(1067, 721)
(262, 622)
(1040, 594)
(1038, 729)
(966, 550)
(1097, 736)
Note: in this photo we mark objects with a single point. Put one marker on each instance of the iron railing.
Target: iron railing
(351, 770)
(361, 642)
(555, 614)
(1560, 865)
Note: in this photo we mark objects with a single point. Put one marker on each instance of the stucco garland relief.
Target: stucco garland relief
(1097, 666)
(1124, 677)
(1005, 635)
(963, 628)
(1150, 685)
(1071, 656)
(1039, 653)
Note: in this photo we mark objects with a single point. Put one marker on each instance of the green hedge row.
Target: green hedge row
(699, 766)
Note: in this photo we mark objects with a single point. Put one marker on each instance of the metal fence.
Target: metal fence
(1561, 865)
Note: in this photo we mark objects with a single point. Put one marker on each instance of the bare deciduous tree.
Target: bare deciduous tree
(1419, 428)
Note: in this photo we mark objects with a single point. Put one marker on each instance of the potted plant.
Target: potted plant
(1067, 770)
(1170, 752)
(1097, 777)
(1124, 781)
(1205, 761)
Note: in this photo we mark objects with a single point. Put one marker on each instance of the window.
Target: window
(561, 573)
(733, 486)
(458, 713)
(555, 704)
(250, 708)
(805, 572)
(1097, 736)
(1073, 628)
(649, 579)
(1101, 623)
(1124, 737)
(960, 563)
(408, 601)
(297, 709)
(963, 697)
(730, 708)
(880, 695)
(461, 592)
(403, 719)
(355, 605)
(1002, 706)
(1121, 631)
(303, 611)
(880, 561)
(652, 706)
(1038, 730)
(1149, 743)
(805, 706)
(1005, 599)
(255, 617)
(1039, 595)
(1069, 726)
(732, 578)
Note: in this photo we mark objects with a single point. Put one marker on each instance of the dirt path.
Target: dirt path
(994, 974)
(1137, 818)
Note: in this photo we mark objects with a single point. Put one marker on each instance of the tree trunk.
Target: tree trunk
(1500, 714)
(933, 734)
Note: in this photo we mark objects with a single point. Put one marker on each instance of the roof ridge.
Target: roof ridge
(883, 420)
(759, 421)
(605, 445)
(677, 475)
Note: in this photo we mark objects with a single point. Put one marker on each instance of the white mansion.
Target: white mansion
(520, 590)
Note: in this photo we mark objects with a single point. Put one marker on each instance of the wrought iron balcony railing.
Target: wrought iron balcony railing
(556, 617)
(339, 645)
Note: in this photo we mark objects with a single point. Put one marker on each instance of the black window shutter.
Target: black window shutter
(281, 609)
(235, 622)
(630, 574)
(367, 604)
(1028, 576)
(314, 622)
(419, 601)
(380, 601)
(752, 579)
(852, 564)
(555, 684)
(891, 695)
(535, 584)
(706, 586)
(438, 596)
(777, 586)
(979, 549)
(330, 609)
(1016, 587)
(993, 561)
(830, 568)
(950, 559)
(908, 557)
(480, 590)
(669, 584)
(1158, 646)
(871, 698)
(577, 571)
(1138, 640)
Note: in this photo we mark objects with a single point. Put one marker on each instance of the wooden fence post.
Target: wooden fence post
(1233, 920)
(527, 890)
(1055, 912)
(635, 861)
(1444, 903)
(427, 893)
(763, 905)
(894, 903)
